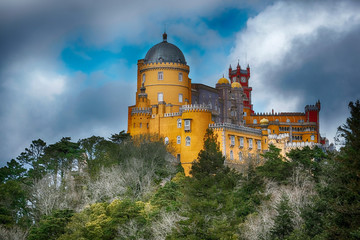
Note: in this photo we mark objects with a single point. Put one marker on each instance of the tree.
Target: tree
(275, 167)
(350, 153)
(32, 157)
(51, 226)
(14, 170)
(283, 223)
(120, 137)
(61, 156)
(210, 160)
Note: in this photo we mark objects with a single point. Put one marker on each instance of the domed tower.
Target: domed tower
(224, 87)
(164, 74)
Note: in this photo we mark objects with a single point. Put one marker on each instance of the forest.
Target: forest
(133, 188)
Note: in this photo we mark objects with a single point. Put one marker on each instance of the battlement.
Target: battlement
(136, 110)
(194, 107)
(279, 114)
(236, 128)
(292, 145)
(282, 136)
(311, 108)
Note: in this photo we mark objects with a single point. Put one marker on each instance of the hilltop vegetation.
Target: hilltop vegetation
(124, 188)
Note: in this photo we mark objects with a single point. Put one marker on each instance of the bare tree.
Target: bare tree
(299, 192)
(14, 233)
(166, 223)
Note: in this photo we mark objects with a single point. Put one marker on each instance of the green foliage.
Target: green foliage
(13, 207)
(13, 171)
(51, 227)
(168, 197)
(32, 157)
(284, 221)
(101, 220)
(280, 169)
(210, 160)
(275, 167)
(120, 137)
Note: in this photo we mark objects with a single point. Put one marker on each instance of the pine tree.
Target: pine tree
(210, 160)
(283, 223)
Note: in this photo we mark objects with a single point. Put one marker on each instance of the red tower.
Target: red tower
(312, 115)
(242, 76)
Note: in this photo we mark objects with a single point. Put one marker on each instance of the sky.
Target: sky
(68, 68)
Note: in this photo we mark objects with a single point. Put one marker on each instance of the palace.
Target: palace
(168, 104)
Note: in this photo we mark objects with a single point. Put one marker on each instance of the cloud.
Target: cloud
(300, 52)
(42, 97)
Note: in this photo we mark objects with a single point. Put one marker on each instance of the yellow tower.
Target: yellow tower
(164, 67)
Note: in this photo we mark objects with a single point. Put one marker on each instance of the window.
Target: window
(312, 138)
(179, 123)
(232, 140)
(166, 141)
(250, 143)
(258, 145)
(180, 77)
(288, 120)
(160, 97)
(187, 125)
(240, 156)
(187, 141)
(180, 97)
(178, 140)
(160, 76)
(231, 155)
(147, 125)
(255, 121)
(245, 114)
(241, 141)
(277, 120)
(143, 78)
(140, 125)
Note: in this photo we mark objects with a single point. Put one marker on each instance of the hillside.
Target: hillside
(125, 188)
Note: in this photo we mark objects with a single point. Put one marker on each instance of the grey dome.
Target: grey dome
(164, 52)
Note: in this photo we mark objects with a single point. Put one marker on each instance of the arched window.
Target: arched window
(240, 156)
(312, 138)
(178, 140)
(231, 155)
(180, 98)
(166, 140)
(288, 120)
(180, 77)
(179, 123)
(250, 143)
(255, 121)
(187, 141)
(143, 78)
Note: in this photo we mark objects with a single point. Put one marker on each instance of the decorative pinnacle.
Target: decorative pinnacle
(164, 37)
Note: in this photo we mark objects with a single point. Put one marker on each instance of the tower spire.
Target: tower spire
(164, 34)
(164, 37)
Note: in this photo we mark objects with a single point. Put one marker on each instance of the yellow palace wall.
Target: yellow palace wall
(297, 122)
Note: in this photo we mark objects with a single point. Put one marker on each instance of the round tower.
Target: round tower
(164, 74)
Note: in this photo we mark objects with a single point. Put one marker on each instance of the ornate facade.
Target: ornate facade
(169, 105)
